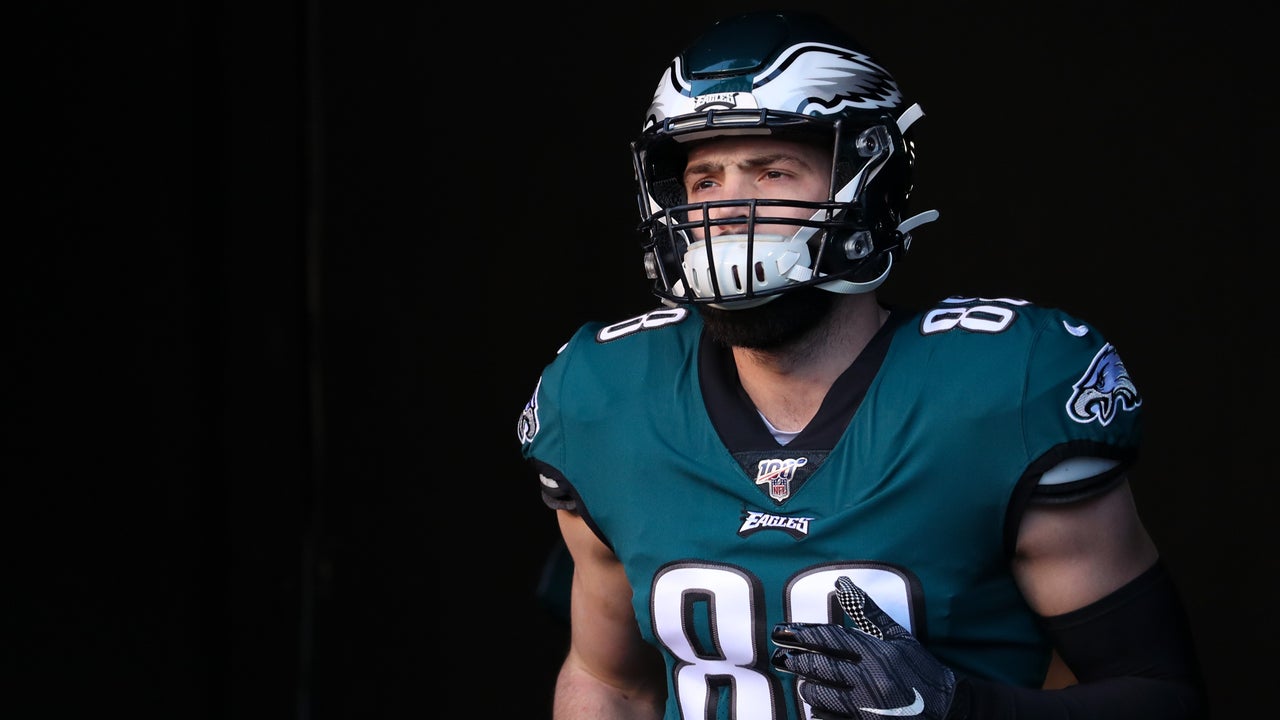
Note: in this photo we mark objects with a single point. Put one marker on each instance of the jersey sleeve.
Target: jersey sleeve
(590, 401)
(540, 431)
(1082, 406)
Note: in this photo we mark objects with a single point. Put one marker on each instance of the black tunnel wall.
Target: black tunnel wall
(283, 276)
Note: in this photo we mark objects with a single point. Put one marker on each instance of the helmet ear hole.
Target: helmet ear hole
(843, 173)
(668, 192)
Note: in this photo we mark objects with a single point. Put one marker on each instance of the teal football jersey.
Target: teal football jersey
(910, 480)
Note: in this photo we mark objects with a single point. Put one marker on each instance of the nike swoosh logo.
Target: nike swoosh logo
(914, 708)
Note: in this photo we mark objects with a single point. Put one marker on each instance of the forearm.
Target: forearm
(581, 696)
(1132, 652)
(1110, 699)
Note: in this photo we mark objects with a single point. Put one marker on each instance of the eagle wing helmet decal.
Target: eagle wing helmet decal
(1104, 390)
(808, 78)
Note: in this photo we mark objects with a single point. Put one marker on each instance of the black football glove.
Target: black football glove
(881, 671)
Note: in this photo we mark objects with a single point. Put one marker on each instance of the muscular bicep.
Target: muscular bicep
(605, 641)
(1072, 554)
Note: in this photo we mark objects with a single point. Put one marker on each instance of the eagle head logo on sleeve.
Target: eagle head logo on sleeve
(527, 426)
(1104, 390)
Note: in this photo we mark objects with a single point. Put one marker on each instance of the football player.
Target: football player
(784, 499)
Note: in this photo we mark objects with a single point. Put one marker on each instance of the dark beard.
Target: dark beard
(772, 325)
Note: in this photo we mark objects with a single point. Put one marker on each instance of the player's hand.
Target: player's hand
(879, 671)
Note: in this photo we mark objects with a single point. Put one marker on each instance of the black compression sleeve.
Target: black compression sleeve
(1132, 652)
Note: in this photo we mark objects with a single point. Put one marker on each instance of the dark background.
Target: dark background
(286, 274)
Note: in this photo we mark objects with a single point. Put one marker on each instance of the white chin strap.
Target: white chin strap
(776, 261)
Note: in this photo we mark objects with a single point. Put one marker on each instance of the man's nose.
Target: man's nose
(735, 215)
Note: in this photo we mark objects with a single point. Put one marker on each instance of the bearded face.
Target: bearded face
(770, 326)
